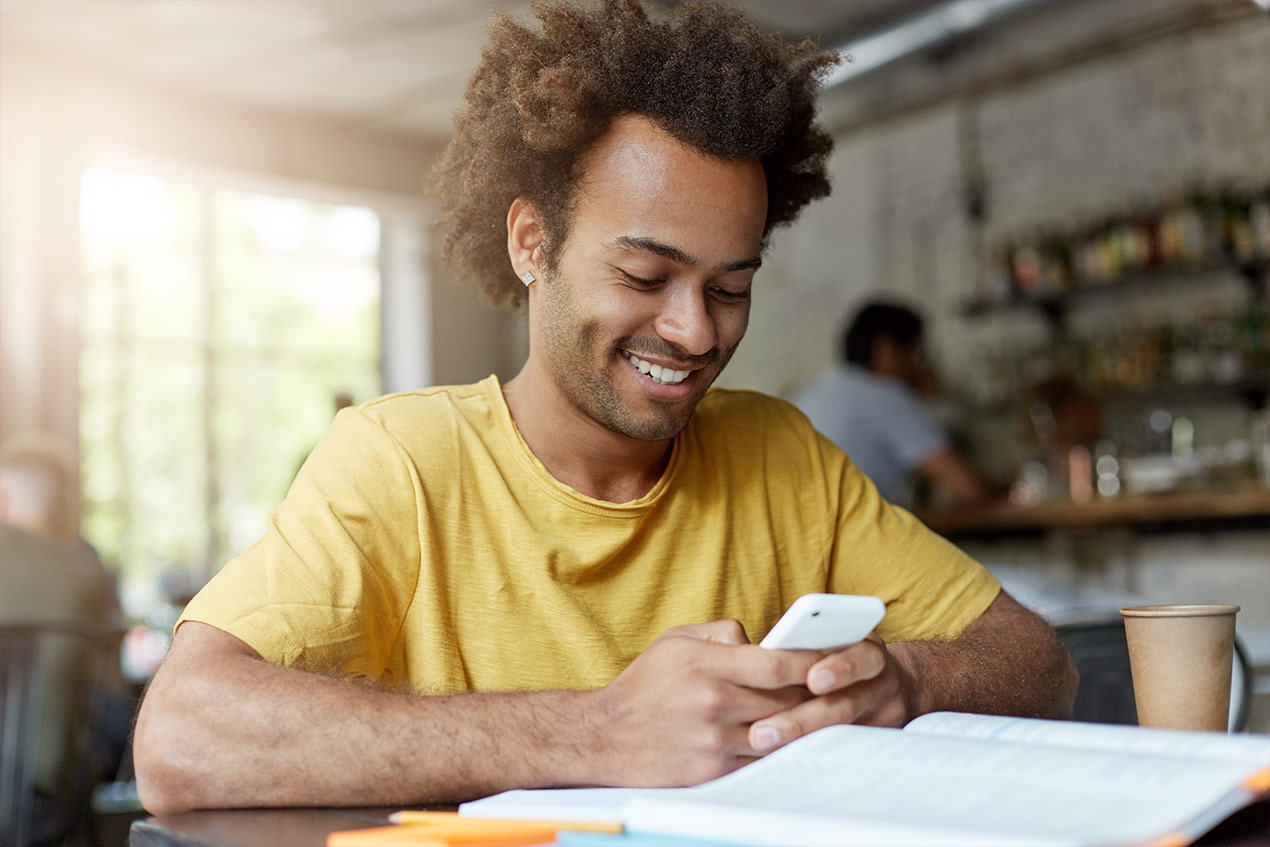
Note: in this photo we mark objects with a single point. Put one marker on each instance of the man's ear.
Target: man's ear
(524, 237)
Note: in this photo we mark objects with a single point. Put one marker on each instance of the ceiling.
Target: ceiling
(392, 67)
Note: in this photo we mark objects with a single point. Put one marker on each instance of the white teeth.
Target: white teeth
(658, 374)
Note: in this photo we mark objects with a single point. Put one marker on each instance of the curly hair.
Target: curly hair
(538, 99)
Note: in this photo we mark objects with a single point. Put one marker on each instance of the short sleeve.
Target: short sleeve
(328, 586)
(932, 590)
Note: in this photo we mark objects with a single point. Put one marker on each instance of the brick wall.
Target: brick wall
(1076, 143)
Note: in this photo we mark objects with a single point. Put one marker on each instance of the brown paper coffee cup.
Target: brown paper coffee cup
(1180, 658)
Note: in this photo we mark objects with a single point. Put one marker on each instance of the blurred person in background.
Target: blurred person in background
(871, 407)
(49, 576)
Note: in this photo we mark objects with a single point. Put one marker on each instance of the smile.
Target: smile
(658, 374)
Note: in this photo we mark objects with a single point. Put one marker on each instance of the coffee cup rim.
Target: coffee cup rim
(1192, 610)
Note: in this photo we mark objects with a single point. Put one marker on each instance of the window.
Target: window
(218, 328)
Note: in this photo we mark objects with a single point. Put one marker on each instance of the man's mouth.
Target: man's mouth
(657, 373)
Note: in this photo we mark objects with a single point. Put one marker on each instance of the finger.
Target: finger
(874, 701)
(752, 666)
(747, 705)
(729, 631)
(746, 665)
(861, 661)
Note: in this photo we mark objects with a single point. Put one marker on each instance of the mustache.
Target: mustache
(654, 346)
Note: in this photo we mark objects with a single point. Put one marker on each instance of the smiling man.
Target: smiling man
(553, 581)
(640, 311)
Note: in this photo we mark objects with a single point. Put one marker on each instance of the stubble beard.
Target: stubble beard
(582, 365)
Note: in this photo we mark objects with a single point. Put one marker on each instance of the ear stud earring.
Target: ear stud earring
(528, 277)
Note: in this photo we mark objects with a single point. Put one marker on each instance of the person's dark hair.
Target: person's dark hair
(539, 98)
(898, 323)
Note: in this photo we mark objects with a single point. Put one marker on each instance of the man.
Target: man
(551, 582)
(869, 406)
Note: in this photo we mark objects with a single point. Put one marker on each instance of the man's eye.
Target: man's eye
(640, 281)
(729, 296)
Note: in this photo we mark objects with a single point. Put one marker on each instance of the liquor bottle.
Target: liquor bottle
(1026, 263)
(1213, 214)
(1259, 221)
(1172, 232)
(1194, 238)
(1088, 268)
(1056, 268)
(1240, 242)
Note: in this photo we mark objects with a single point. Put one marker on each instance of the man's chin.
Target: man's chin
(665, 422)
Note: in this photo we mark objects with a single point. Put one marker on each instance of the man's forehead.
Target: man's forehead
(662, 196)
(637, 146)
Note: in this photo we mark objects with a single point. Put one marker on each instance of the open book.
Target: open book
(946, 779)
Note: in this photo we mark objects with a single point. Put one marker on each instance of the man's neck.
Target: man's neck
(576, 449)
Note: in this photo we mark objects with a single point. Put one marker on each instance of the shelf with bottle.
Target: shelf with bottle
(1170, 243)
(1208, 357)
(1216, 354)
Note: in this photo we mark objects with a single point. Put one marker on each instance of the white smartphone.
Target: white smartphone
(825, 621)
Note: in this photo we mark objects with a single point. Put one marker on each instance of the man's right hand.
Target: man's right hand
(680, 713)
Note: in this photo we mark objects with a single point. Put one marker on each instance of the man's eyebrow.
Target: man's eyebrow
(674, 254)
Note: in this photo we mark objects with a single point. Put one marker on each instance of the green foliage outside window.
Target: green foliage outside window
(217, 329)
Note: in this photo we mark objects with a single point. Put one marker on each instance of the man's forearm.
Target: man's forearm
(231, 730)
(222, 728)
(1008, 661)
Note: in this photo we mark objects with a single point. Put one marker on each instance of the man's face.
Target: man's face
(650, 294)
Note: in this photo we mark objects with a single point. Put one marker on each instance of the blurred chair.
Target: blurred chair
(29, 655)
(1100, 651)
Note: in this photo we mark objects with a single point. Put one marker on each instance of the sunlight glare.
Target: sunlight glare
(126, 207)
(351, 233)
(280, 224)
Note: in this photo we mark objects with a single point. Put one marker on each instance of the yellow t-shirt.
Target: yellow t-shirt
(423, 544)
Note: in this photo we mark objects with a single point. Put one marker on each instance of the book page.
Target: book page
(1254, 750)
(849, 783)
(565, 804)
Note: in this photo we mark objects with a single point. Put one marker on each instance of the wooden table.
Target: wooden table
(309, 827)
(252, 827)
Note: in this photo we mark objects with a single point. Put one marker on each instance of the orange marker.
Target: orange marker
(408, 817)
(446, 833)
(1259, 782)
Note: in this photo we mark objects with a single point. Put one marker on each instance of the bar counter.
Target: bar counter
(1245, 503)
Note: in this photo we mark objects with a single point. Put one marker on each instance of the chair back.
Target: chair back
(35, 659)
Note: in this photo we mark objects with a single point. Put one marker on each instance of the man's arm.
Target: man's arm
(220, 727)
(1007, 661)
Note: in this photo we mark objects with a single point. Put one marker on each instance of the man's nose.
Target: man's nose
(686, 322)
